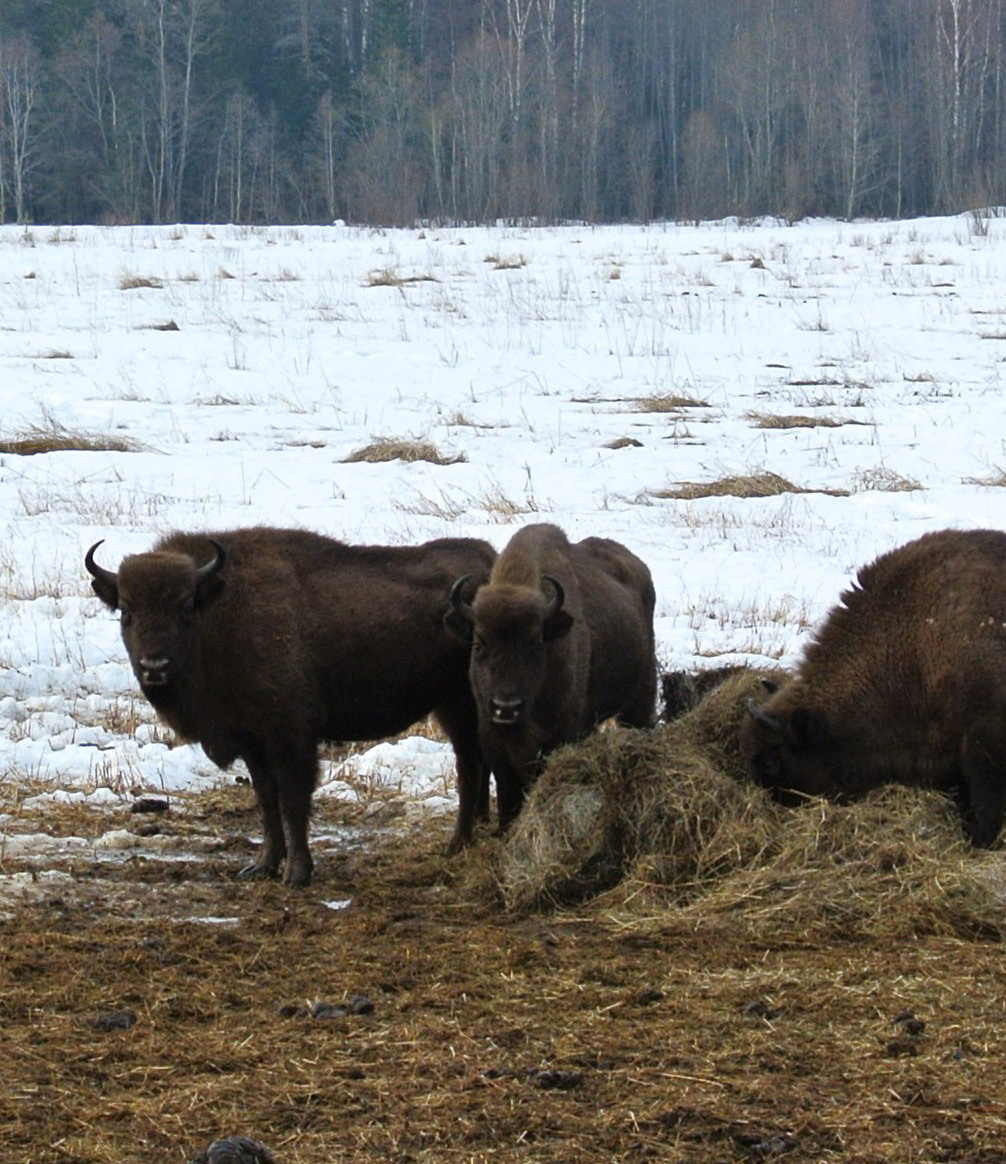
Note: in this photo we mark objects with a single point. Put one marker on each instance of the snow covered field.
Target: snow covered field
(584, 376)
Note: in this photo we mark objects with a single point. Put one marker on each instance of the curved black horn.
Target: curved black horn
(560, 595)
(97, 571)
(463, 608)
(215, 565)
(760, 717)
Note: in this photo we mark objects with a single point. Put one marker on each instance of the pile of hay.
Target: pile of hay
(667, 822)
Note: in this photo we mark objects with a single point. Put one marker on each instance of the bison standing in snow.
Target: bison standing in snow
(905, 682)
(259, 643)
(562, 638)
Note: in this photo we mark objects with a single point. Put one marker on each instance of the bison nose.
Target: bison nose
(506, 710)
(152, 670)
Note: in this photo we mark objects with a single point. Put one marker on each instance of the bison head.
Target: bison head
(509, 628)
(791, 747)
(157, 596)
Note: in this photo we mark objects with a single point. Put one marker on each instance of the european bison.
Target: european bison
(259, 643)
(904, 682)
(562, 638)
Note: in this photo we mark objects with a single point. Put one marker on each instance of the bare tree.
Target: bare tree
(19, 80)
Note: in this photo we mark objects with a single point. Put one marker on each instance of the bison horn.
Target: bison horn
(97, 571)
(560, 595)
(214, 566)
(463, 608)
(760, 717)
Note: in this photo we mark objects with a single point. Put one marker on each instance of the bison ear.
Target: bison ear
(107, 591)
(208, 580)
(457, 624)
(557, 625)
(207, 590)
(807, 728)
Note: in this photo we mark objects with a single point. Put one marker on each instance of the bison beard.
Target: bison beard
(260, 643)
(562, 638)
(904, 682)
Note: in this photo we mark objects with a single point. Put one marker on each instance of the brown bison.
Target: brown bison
(904, 682)
(259, 643)
(562, 638)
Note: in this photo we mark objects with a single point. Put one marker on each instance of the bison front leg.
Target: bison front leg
(983, 767)
(273, 848)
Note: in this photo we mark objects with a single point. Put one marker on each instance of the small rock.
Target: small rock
(909, 1024)
(292, 1010)
(360, 1004)
(327, 1010)
(149, 804)
(554, 1080)
(776, 1145)
(759, 1008)
(113, 1020)
(235, 1150)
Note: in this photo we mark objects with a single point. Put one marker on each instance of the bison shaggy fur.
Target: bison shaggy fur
(260, 643)
(904, 682)
(562, 638)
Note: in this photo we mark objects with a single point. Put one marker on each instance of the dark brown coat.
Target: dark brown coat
(904, 682)
(562, 638)
(259, 643)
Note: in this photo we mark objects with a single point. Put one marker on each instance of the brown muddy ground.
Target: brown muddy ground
(151, 1005)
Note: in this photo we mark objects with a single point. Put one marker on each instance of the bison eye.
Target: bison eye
(125, 616)
(187, 610)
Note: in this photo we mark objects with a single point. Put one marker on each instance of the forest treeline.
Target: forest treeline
(393, 111)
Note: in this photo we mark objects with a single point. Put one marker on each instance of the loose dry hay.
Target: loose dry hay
(391, 449)
(665, 824)
(742, 485)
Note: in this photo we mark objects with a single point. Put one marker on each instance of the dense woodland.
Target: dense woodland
(392, 111)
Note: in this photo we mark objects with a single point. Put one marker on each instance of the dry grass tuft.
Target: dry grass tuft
(506, 262)
(390, 277)
(884, 480)
(770, 420)
(764, 484)
(392, 449)
(667, 403)
(138, 282)
(56, 439)
(996, 480)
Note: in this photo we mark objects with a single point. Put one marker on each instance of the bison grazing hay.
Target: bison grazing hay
(669, 818)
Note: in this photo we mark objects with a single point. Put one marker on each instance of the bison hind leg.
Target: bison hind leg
(983, 784)
(460, 724)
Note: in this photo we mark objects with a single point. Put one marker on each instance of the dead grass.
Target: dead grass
(54, 438)
(391, 277)
(770, 420)
(764, 484)
(138, 282)
(995, 480)
(667, 403)
(884, 480)
(394, 449)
